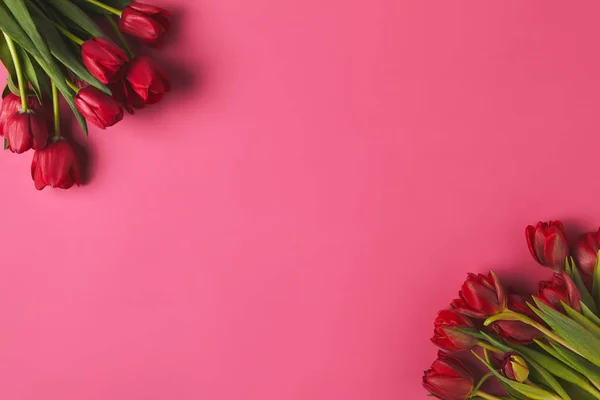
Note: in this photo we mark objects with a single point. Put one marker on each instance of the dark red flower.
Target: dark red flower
(125, 96)
(55, 166)
(481, 296)
(547, 242)
(145, 22)
(560, 289)
(98, 107)
(586, 251)
(445, 335)
(516, 331)
(11, 104)
(448, 379)
(514, 367)
(25, 130)
(104, 59)
(147, 80)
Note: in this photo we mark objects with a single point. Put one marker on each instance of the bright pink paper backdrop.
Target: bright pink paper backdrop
(287, 223)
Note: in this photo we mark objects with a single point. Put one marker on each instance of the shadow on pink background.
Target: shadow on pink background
(287, 223)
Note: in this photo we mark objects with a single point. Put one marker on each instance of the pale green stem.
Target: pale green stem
(105, 7)
(486, 345)
(486, 395)
(72, 85)
(56, 110)
(120, 35)
(18, 70)
(69, 34)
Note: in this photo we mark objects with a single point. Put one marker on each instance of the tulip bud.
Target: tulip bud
(586, 251)
(448, 379)
(98, 107)
(481, 296)
(445, 334)
(104, 59)
(547, 242)
(25, 130)
(514, 367)
(147, 80)
(55, 166)
(145, 22)
(516, 331)
(561, 289)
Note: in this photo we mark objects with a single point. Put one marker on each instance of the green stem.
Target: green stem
(68, 34)
(18, 70)
(106, 7)
(72, 85)
(486, 395)
(486, 345)
(120, 35)
(56, 110)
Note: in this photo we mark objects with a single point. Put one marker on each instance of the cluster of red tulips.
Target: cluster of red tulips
(55, 47)
(541, 346)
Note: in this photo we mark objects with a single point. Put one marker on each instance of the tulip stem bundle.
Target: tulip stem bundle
(53, 50)
(543, 346)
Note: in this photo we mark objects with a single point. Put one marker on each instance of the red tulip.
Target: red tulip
(25, 130)
(481, 296)
(448, 379)
(514, 367)
(547, 243)
(55, 166)
(515, 331)
(586, 251)
(11, 104)
(104, 59)
(98, 107)
(445, 335)
(145, 22)
(125, 96)
(560, 289)
(147, 80)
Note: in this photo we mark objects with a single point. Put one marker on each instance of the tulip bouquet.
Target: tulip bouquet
(57, 48)
(544, 346)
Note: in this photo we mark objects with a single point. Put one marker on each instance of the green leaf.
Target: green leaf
(588, 313)
(540, 374)
(532, 392)
(34, 75)
(579, 338)
(576, 392)
(553, 365)
(586, 296)
(77, 15)
(9, 25)
(5, 144)
(578, 363)
(470, 331)
(596, 280)
(61, 51)
(582, 320)
(23, 17)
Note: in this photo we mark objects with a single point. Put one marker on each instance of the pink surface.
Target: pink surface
(287, 223)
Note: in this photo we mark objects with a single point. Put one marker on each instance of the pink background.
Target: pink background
(287, 223)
